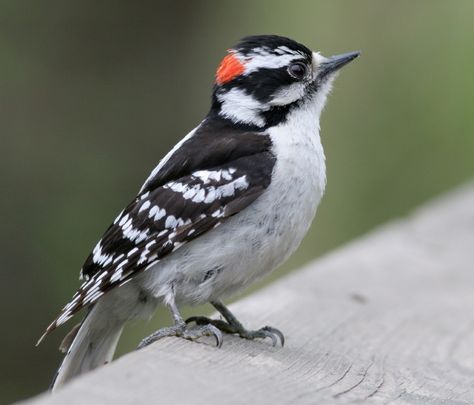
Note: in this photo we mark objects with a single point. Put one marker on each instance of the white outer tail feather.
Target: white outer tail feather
(93, 346)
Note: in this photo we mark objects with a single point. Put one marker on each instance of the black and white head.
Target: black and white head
(264, 77)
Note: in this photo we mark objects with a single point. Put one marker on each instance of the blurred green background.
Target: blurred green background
(93, 94)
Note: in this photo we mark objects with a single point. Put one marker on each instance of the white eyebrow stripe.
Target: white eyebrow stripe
(284, 49)
(261, 58)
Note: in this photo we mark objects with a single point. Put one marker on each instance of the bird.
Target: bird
(225, 207)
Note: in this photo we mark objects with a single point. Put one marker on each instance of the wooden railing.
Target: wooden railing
(388, 318)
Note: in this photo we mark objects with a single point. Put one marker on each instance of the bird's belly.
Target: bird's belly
(250, 244)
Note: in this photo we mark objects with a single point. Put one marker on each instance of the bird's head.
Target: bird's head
(262, 78)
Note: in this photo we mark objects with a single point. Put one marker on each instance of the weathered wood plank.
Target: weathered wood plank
(387, 319)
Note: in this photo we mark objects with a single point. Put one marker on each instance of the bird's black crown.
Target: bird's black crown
(271, 43)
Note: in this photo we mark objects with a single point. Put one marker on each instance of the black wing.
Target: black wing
(195, 191)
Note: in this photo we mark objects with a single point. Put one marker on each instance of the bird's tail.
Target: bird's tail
(88, 346)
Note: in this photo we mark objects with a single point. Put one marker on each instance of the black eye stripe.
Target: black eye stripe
(262, 83)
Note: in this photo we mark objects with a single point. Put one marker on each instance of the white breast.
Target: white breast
(298, 183)
(257, 240)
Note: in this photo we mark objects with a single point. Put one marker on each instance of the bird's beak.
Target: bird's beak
(334, 63)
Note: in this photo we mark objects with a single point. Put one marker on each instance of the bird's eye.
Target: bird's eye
(297, 70)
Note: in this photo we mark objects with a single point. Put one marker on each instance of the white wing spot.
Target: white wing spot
(160, 214)
(99, 257)
(218, 213)
(150, 244)
(93, 297)
(101, 276)
(123, 220)
(176, 187)
(172, 222)
(211, 195)
(63, 318)
(116, 276)
(144, 206)
(135, 235)
(191, 192)
(118, 217)
(119, 257)
(135, 249)
(153, 211)
(199, 197)
(127, 225)
(226, 175)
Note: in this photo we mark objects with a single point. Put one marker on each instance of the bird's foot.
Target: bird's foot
(184, 331)
(237, 329)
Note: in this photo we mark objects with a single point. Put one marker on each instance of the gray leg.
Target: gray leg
(233, 326)
(181, 329)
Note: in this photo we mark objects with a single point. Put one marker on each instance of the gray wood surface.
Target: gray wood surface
(387, 319)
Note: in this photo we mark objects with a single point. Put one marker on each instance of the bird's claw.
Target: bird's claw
(185, 332)
(226, 327)
(268, 332)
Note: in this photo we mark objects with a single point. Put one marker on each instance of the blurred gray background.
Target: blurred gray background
(93, 94)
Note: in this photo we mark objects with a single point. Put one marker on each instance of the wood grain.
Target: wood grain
(387, 319)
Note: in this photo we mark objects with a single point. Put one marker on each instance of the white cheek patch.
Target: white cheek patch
(238, 106)
(288, 94)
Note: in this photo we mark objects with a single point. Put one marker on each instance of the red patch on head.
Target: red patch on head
(229, 68)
